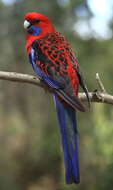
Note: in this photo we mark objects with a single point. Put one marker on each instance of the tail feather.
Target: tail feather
(68, 128)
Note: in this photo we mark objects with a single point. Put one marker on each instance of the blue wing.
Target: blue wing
(59, 90)
(33, 58)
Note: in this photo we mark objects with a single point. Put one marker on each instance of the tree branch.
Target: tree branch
(95, 96)
(19, 77)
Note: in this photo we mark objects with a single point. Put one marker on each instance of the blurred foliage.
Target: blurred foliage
(30, 153)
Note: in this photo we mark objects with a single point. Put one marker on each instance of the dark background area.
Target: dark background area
(30, 152)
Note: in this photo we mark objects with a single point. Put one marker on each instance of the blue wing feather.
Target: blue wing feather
(33, 58)
(56, 85)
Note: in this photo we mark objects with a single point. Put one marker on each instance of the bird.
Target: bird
(55, 63)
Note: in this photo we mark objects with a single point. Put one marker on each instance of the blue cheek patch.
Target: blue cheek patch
(34, 30)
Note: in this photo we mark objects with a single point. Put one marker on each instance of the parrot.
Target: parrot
(54, 62)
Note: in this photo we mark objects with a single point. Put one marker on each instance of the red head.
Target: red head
(37, 26)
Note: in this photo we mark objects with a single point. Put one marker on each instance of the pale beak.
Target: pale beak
(26, 24)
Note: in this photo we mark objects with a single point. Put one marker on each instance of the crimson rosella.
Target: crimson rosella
(54, 62)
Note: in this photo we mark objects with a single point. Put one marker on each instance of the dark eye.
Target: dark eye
(36, 21)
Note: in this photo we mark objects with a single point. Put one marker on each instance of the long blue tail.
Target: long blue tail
(68, 128)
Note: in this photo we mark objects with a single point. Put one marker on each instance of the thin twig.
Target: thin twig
(30, 79)
(100, 84)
